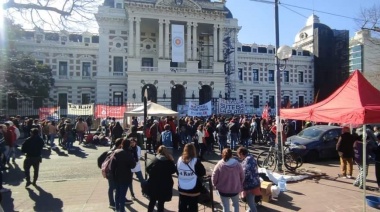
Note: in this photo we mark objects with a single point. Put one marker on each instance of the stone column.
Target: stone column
(221, 37)
(160, 38)
(195, 41)
(138, 40)
(188, 46)
(215, 38)
(130, 37)
(167, 43)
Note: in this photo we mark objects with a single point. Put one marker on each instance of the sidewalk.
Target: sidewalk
(326, 193)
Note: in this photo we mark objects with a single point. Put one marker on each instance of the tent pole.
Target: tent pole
(364, 166)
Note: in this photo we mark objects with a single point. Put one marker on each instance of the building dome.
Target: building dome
(307, 31)
(228, 14)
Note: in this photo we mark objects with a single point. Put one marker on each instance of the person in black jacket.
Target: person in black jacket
(32, 147)
(111, 183)
(122, 174)
(160, 183)
(117, 132)
(345, 150)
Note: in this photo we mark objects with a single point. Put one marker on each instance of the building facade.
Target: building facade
(133, 53)
(364, 54)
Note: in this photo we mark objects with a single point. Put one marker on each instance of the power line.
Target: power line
(294, 11)
(328, 13)
(309, 9)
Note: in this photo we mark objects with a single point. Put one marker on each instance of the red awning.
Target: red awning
(355, 102)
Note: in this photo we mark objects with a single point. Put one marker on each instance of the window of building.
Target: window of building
(117, 98)
(262, 50)
(300, 76)
(299, 53)
(239, 49)
(63, 69)
(147, 62)
(255, 75)
(270, 51)
(271, 76)
(271, 101)
(62, 100)
(87, 40)
(86, 69)
(256, 101)
(240, 74)
(86, 98)
(119, 5)
(301, 101)
(40, 62)
(286, 76)
(254, 50)
(118, 64)
(286, 101)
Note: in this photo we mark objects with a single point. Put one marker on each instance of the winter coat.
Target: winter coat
(251, 175)
(345, 145)
(228, 177)
(160, 182)
(124, 163)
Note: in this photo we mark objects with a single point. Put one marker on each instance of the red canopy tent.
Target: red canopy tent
(355, 102)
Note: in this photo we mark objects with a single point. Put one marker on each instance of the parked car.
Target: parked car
(319, 141)
(316, 142)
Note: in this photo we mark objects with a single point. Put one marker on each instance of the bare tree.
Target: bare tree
(52, 14)
(369, 18)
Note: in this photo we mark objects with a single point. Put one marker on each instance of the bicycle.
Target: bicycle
(269, 159)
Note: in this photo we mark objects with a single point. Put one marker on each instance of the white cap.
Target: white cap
(9, 122)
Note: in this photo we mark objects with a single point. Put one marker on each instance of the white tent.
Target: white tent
(153, 110)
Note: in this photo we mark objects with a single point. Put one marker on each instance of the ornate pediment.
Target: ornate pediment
(179, 3)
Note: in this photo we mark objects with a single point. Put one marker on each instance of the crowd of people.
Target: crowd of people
(192, 137)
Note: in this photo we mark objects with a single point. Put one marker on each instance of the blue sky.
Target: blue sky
(257, 18)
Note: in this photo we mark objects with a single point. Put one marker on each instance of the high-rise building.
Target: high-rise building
(330, 50)
(364, 54)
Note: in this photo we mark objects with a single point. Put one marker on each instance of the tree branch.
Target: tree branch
(11, 4)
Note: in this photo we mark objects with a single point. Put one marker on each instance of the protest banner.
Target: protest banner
(231, 106)
(49, 113)
(182, 110)
(104, 111)
(199, 110)
(80, 110)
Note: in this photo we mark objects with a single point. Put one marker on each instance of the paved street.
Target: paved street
(73, 182)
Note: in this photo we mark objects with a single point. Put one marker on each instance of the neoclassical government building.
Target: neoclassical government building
(177, 50)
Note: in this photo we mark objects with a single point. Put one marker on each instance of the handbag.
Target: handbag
(205, 196)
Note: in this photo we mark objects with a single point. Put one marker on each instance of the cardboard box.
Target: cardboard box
(266, 192)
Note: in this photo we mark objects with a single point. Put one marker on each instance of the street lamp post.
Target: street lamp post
(283, 53)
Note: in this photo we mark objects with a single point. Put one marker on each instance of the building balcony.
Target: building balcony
(86, 77)
(117, 74)
(153, 69)
(178, 70)
(63, 77)
(206, 71)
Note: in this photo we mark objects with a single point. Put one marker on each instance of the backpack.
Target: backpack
(107, 165)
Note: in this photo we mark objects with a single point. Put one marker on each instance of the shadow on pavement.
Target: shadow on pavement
(14, 175)
(44, 201)
(78, 152)
(7, 202)
(45, 154)
(286, 202)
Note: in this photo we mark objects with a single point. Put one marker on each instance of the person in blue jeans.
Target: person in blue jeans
(122, 174)
(234, 132)
(251, 179)
(136, 150)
